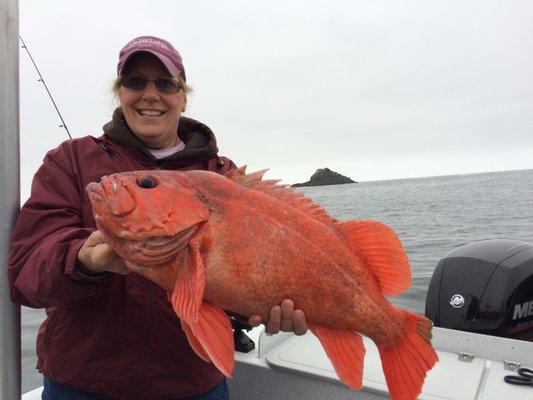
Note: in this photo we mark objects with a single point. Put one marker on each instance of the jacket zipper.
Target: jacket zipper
(144, 345)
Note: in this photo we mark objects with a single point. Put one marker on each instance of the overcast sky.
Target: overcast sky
(372, 89)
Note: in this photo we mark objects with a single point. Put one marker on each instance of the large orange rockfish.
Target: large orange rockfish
(207, 239)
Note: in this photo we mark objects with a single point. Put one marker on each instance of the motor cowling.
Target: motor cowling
(485, 287)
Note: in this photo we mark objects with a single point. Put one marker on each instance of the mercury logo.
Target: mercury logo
(457, 301)
(523, 310)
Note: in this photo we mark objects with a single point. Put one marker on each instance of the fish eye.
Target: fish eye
(147, 182)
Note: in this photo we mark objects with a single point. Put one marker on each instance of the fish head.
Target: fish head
(141, 212)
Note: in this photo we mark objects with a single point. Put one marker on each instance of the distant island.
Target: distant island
(325, 176)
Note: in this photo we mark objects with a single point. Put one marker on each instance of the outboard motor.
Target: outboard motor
(485, 287)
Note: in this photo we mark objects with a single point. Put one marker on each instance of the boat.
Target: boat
(472, 365)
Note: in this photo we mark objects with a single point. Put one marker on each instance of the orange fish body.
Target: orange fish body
(242, 244)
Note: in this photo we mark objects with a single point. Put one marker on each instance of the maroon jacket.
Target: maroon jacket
(109, 334)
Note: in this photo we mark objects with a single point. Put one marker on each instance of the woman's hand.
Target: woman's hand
(96, 256)
(282, 318)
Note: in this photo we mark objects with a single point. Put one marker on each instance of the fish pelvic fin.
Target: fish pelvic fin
(346, 352)
(405, 364)
(280, 192)
(381, 252)
(188, 292)
(211, 337)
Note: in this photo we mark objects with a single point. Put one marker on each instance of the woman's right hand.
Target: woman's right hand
(96, 256)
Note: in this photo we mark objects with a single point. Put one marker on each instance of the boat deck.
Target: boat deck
(470, 367)
(289, 367)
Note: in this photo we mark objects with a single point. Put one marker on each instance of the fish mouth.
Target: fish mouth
(95, 191)
(157, 250)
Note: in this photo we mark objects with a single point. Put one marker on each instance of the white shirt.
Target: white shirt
(162, 153)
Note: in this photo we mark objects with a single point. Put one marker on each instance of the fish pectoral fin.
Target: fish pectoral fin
(207, 327)
(346, 352)
(195, 343)
(406, 363)
(211, 337)
(188, 291)
(382, 253)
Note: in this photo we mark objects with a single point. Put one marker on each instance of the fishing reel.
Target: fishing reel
(242, 341)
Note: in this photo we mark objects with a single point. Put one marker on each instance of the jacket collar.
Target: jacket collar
(200, 142)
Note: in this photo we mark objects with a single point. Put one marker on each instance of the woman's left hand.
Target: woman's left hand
(282, 318)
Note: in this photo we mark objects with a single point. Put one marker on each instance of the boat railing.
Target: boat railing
(10, 362)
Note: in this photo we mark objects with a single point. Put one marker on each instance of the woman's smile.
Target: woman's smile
(150, 113)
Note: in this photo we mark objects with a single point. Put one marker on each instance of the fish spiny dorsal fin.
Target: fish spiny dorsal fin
(283, 193)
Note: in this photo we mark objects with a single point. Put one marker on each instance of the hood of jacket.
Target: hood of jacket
(200, 142)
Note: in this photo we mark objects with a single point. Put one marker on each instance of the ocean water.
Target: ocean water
(431, 215)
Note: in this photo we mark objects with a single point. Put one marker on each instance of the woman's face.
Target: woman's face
(151, 115)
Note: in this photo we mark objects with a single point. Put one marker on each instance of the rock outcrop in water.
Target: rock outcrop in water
(325, 176)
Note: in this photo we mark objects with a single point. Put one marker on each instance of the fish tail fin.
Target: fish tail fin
(406, 363)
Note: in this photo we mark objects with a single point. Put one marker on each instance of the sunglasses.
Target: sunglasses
(138, 83)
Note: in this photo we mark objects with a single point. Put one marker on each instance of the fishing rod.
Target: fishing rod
(41, 79)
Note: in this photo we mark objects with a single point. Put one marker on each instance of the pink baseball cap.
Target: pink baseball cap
(160, 48)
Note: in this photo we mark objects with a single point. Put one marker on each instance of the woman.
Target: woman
(109, 333)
